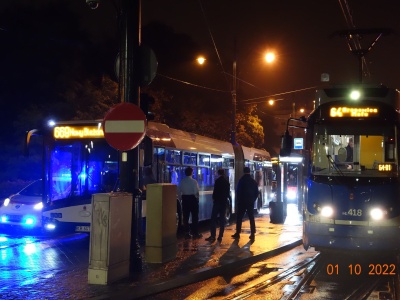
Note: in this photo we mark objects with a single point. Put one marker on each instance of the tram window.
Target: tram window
(189, 158)
(370, 145)
(389, 150)
(204, 160)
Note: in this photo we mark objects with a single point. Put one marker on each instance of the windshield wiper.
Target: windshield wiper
(333, 164)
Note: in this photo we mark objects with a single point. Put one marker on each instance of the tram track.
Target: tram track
(309, 279)
(310, 264)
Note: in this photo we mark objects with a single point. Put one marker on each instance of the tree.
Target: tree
(249, 132)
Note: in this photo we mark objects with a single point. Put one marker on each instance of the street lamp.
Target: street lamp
(269, 58)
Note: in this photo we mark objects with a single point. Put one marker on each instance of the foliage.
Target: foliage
(250, 132)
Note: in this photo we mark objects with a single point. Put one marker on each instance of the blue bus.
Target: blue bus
(78, 162)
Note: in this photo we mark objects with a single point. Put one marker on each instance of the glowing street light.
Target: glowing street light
(201, 60)
(269, 57)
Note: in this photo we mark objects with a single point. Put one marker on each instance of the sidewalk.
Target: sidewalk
(197, 260)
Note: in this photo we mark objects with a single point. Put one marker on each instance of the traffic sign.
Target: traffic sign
(124, 126)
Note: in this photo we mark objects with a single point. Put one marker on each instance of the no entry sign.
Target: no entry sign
(124, 126)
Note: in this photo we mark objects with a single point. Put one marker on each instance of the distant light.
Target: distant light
(201, 60)
(50, 226)
(29, 221)
(271, 101)
(3, 219)
(38, 206)
(269, 57)
(51, 123)
(355, 95)
(295, 159)
(6, 201)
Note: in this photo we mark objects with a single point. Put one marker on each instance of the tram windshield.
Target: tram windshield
(80, 168)
(360, 149)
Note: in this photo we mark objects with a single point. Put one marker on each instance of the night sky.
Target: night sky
(299, 32)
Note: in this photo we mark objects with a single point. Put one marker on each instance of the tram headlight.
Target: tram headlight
(377, 213)
(327, 211)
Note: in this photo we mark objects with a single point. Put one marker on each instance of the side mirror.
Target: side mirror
(286, 144)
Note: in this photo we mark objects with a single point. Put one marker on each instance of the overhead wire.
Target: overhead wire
(192, 84)
(213, 42)
(353, 42)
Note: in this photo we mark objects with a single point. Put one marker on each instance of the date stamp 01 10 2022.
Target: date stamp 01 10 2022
(360, 269)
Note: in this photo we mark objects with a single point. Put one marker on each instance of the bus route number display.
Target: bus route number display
(71, 132)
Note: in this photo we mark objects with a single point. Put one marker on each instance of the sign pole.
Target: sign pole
(129, 90)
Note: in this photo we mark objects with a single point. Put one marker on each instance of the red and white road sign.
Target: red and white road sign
(124, 126)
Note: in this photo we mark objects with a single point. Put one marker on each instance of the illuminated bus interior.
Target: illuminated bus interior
(81, 168)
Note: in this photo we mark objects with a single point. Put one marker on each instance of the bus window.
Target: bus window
(173, 156)
(174, 174)
(204, 160)
(189, 158)
(204, 177)
(82, 169)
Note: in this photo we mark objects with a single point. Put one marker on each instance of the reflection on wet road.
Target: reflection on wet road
(30, 260)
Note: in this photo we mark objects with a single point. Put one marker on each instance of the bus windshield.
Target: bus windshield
(360, 149)
(80, 168)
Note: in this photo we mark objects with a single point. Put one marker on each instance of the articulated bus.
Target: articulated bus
(78, 162)
(351, 183)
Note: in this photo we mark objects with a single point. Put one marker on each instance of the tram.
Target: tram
(350, 182)
(78, 162)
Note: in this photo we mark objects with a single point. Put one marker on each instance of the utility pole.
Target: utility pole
(129, 89)
(234, 90)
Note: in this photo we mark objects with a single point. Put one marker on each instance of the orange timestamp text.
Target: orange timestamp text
(357, 269)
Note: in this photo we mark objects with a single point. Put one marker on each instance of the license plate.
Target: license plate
(82, 228)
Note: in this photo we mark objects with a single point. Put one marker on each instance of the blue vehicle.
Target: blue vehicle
(78, 162)
(23, 209)
(350, 182)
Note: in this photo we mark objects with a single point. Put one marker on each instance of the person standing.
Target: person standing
(220, 200)
(349, 150)
(246, 193)
(188, 191)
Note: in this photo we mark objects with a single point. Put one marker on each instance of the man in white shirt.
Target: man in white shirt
(188, 191)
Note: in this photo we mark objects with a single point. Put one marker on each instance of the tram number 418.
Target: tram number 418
(356, 269)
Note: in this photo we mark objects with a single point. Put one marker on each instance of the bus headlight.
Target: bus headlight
(377, 213)
(327, 211)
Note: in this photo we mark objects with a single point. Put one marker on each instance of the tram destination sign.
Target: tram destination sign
(124, 126)
(353, 112)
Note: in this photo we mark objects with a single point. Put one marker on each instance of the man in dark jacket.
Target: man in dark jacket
(220, 200)
(246, 193)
